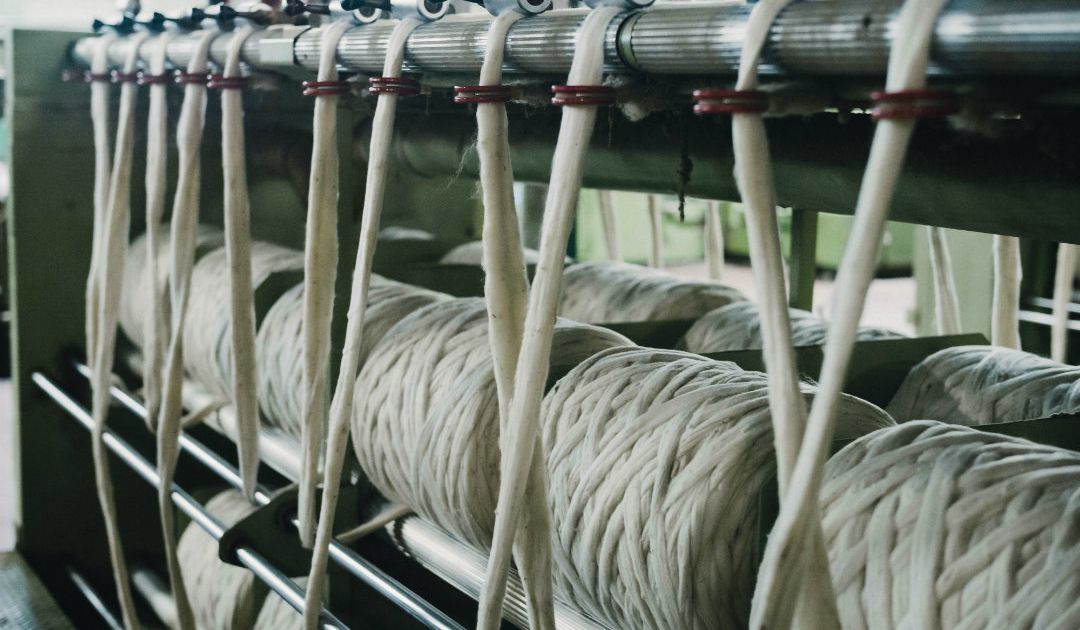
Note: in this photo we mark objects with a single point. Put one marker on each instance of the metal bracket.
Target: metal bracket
(268, 530)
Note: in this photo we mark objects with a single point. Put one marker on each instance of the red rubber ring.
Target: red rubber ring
(915, 103)
(189, 78)
(468, 94)
(75, 76)
(125, 77)
(594, 95)
(401, 86)
(103, 78)
(220, 82)
(325, 88)
(720, 101)
(153, 79)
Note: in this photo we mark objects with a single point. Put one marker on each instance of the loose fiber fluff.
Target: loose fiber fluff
(940, 526)
(426, 419)
(280, 349)
(604, 291)
(656, 460)
(974, 385)
(737, 326)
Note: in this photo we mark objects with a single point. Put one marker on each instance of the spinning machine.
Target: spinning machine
(272, 316)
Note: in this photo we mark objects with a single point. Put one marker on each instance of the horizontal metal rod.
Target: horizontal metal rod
(835, 38)
(94, 599)
(348, 559)
(1008, 185)
(254, 561)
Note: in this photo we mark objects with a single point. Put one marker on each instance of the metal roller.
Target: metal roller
(810, 38)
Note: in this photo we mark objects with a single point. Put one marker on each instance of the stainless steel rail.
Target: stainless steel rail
(348, 559)
(691, 38)
(254, 561)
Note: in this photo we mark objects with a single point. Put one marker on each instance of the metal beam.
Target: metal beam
(1005, 185)
(835, 38)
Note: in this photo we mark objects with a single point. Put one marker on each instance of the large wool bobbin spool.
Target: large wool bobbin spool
(931, 525)
(737, 326)
(973, 385)
(222, 596)
(134, 304)
(605, 291)
(280, 344)
(656, 462)
(426, 422)
(207, 348)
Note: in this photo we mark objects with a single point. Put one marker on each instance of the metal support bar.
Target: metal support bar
(348, 559)
(840, 38)
(1008, 185)
(255, 562)
(802, 266)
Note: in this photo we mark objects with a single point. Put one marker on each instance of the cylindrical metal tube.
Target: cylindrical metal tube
(837, 38)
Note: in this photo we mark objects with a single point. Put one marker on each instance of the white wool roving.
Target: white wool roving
(426, 424)
(738, 326)
(1005, 319)
(106, 282)
(238, 252)
(157, 161)
(100, 112)
(656, 461)
(784, 567)
(280, 348)
(522, 426)
(610, 224)
(939, 526)
(946, 301)
(1064, 275)
(472, 253)
(975, 385)
(656, 232)
(382, 130)
(208, 351)
(320, 273)
(184, 229)
(506, 291)
(714, 241)
(223, 596)
(606, 292)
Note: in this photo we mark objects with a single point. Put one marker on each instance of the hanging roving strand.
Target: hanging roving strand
(753, 174)
(157, 162)
(238, 252)
(106, 282)
(610, 224)
(1063, 289)
(506, 287)
(1005, 312)
(581, 96)
(946, 301)
(184, 229)
(320, 271)
(100, 90)
(784, 565)
(388, 87)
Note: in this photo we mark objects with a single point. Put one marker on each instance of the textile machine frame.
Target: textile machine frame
(1019, 60)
